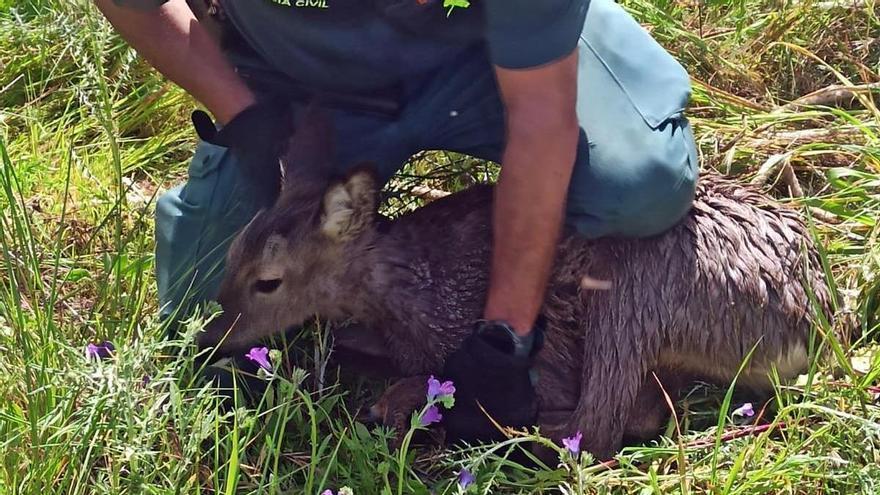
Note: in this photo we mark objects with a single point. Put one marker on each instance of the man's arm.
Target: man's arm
(171, 39)
(542, 137)
(491, 368)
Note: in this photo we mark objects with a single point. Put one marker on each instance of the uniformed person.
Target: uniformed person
(579, 105)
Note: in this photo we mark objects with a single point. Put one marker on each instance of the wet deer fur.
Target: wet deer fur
(690, 303)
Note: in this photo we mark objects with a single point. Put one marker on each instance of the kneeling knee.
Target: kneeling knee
(659, 192)
(659, 200)
(637, 190)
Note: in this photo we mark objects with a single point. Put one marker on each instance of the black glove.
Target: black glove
(492, 367)
(257, 136)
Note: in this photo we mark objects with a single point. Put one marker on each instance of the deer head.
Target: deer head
(298, 258)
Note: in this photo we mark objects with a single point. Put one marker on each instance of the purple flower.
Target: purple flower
(327, 492)
(745, 410)
(465, 478)
(431, 415)
(260, 355)
(437, 389)
(573, 444)
(102, 350)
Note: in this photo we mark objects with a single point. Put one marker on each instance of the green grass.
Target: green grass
(89, 136)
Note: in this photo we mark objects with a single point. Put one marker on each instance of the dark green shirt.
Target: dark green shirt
(365, 44)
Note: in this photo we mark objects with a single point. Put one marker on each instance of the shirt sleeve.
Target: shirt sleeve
(140, 4)
(529, 33)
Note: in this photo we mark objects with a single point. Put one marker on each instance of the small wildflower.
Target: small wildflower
(573, 444)
(431, 415)
(346, 491)
(327, 492)
(260, 355)
(102, 350)
(437, 389)
(465, 478)
(745, 410)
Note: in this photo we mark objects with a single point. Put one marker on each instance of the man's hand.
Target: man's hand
(491, 370)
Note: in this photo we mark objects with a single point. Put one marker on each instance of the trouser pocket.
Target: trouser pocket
(655, 83)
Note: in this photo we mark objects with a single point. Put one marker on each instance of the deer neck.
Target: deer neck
(410, 285)
(360, 297)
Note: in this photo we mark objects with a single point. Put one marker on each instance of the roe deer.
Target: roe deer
(689, 303)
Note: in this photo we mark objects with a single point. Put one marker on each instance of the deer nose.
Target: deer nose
(371, 416)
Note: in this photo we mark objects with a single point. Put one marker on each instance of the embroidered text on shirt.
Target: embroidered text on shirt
(316, 4)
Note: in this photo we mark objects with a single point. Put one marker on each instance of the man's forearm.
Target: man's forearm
(528, 214)
(172, 40)
(536, 168)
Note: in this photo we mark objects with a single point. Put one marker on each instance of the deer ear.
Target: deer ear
(349, 206)
(310, 149)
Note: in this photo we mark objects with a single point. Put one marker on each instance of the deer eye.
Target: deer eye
(267, 286)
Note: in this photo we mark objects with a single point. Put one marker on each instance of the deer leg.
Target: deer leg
(397, 404)
(362, 349)
(551, 424)
(607, 400)
(651, 411)
(615, 364)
